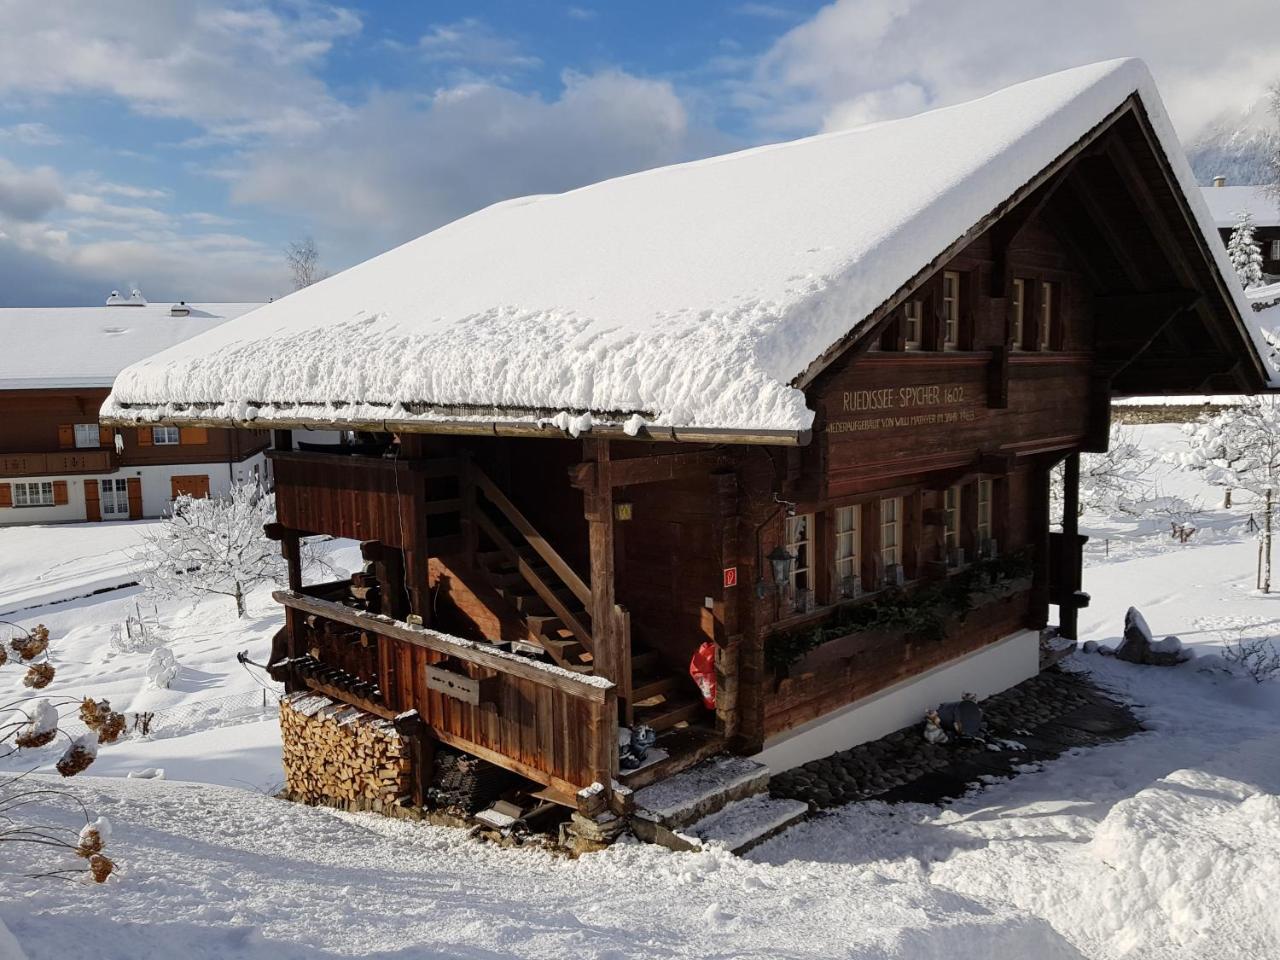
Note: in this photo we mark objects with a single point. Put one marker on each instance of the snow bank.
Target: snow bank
(691, 295)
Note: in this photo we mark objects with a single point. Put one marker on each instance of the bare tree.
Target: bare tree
(303, 258)
(1114, 480)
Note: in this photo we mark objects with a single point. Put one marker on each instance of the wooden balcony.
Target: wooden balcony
(58, 463)
(543, 722)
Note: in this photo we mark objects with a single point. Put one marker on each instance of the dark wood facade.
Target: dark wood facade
(53, 434)
(916, 521)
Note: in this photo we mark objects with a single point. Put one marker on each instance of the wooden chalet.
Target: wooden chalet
(540, 574)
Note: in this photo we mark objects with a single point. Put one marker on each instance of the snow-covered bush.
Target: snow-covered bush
(138, 634)
(1256, 657)
(162, 668)
(214, 546)
(1115, 481)
(1245, 252)
(29, 723)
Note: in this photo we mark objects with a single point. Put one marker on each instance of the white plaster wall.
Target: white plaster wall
(984, 672)
(71, 511)
(156, 488)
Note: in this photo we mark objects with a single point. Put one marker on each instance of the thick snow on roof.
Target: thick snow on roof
(48, 347)
(1227, 203)
(690, 296)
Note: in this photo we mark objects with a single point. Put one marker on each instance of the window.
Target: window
(913, 318)
(113, 497)
(86, 435)
(38, 493)
(951, 529)
(950, 310)
(1017, 312)
(848, 527)
(164, 436)
(891, 535)
(800, 546)
(1275, 250)
(983, 527)
(1046, 314)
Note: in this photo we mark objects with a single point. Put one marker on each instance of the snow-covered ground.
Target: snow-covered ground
(48, 562)
(1165, 845)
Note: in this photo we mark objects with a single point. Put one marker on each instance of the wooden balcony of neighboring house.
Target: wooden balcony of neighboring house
(59, 463)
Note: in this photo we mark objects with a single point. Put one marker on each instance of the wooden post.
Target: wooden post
(607, 655)
(1068, 615)
(467, 494)
(1040, 477)
(282, 439)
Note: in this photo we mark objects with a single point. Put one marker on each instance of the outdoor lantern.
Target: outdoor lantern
(782, 562)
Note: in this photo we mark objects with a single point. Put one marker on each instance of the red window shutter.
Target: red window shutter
(144, 436)
(92, 506)
(135, 496)
(6, 495)
(66, 436)
(105, 437)
(59, 493)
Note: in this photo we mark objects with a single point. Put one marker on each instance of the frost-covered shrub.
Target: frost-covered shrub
(138, 634)
(162, 668)
(1115, 481)
(211, 546)
(1256, 657)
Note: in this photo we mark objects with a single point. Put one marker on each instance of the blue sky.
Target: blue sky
(179, 146)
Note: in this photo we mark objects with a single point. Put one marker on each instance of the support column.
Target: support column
(608, 657)
(1069, 562)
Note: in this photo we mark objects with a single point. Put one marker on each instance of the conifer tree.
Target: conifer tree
(1245, 253)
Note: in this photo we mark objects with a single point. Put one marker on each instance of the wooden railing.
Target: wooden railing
(66, 461)
(550, 725)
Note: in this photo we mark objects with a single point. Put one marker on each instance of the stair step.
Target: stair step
(641, 662)
(668, 713)
(641, 691)
(744, 824)
(700, 791)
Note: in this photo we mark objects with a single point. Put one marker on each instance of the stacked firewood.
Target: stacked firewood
(340, 756)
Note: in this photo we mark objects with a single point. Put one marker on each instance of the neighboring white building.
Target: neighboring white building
(56, 463)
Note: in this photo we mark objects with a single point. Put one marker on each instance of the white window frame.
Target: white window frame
(172, 436)
(87, 436)
(891, 532)
(33, 493)
(1275, 250)
(950, 310)
(951, 510)
(1046, 313)
(846, 550)
(799, 543)
(983, 526)
(113, 497)
(1018, 307)
(913, 324)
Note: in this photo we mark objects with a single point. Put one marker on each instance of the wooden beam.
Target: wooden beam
(451, 646)
(1005, 230)
(1119, 248)
(607, 657)
(1069, 561)
(1127, 324)
(655, 469)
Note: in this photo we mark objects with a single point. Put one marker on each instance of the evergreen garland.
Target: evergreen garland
(925, 611)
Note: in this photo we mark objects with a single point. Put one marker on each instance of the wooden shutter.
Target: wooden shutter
(6, 495)
(193, 485)
(59, 493)
(92, 507)
(193, 435)
(135, 493)
(105, 438)
(66, 436)
(144, 436)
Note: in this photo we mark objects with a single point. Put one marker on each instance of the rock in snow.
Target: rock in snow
(1139, 645)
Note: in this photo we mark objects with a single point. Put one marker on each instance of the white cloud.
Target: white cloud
(581, 13)
(28, 195)
(236, 71)
(30, 135)
(473, 43)
(400, 166)
(862, 60)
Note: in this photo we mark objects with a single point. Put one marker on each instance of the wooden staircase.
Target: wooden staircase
(553, 607)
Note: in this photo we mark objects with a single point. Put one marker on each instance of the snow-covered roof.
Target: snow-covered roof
(47, 347)
(1227, 203)
(690, 297)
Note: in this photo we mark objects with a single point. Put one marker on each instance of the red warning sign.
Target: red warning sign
(730, 576)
